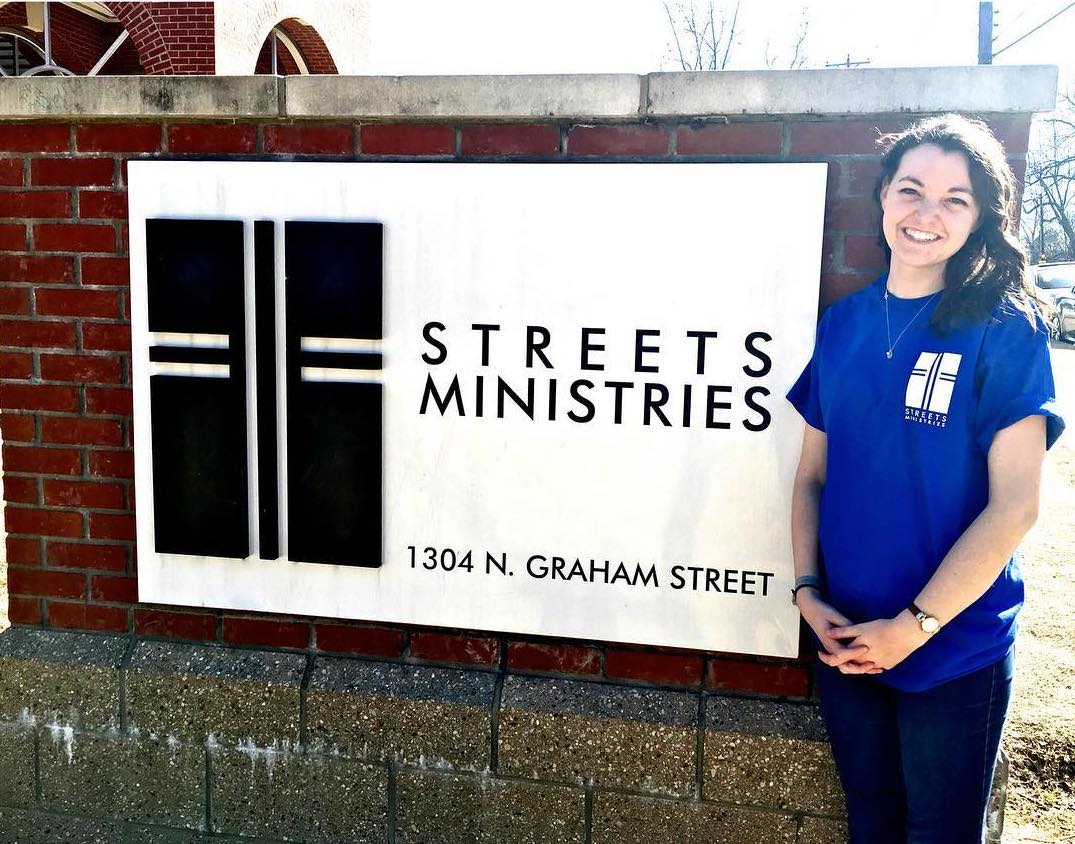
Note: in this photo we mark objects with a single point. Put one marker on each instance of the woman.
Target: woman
(929, 406)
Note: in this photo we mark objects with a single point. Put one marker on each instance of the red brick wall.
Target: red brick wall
(171, 38)
(65, 398)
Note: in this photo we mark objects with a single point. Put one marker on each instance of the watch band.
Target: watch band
(811, 580)
(927, 622)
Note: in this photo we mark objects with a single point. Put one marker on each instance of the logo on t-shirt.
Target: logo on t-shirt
(929, 388)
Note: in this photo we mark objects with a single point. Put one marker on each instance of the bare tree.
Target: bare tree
(1048, 219)
(703, 36)
(701, 41)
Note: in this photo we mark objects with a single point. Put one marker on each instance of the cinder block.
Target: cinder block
(420, 715)
(60, 677)
(194, 691)
(769, 753)
(443, 808)
(280, 794)
(16, 765)
(133, 780)
(24, 827)
(627, 819)
(585, 732)
(822, 831)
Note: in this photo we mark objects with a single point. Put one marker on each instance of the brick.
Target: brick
(840, 137)
(343, 638)
(11, 171)
(111, 526)
(14, 300)
(16, 365)
(13, 237)
(35, 137)
(38, 397)
(23, 551)
(565, 659)
(38, 334)
(17, 427)
(35, 203)
(112, 464)
(81, 494)
(81, 368)
(837, 285)
(116, 589)
(93, 556)
(76, 430)
(43, 522)
(125, 137)
(47, 461)
(175, 625)
(671, 669)
(74, 237)
(212, 138)
(104, 204)
(78, 172)
(1012, 132)
(406, 139)
(617, 140)
(862, 175)
(440, 647)
(40, 268)
(23, 610)
(106, 270)
(730, 139)
(84, 303)
(109, 337)
(510, 139)
(862, 253)
(266, 632)
(310, 140)
(116, 401)
(784, 680)
(87, 616)
(20, 490)
(852, 214)
(45, 583)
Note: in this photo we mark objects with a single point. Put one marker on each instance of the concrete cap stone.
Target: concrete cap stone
(577, 97)
(414, 682)
(216, 661)
(60, 646)
(602, 700)
(770, 718)
(921, 90)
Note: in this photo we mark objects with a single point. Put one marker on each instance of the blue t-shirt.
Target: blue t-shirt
(906, 472)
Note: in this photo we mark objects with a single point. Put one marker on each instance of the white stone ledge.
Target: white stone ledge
(596, 97)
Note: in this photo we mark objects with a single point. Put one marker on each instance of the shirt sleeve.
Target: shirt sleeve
(1015, 379)
(804, 394)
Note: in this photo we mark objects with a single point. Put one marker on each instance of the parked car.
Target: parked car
(1055, 284)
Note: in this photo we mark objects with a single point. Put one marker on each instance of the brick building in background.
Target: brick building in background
(285, 37)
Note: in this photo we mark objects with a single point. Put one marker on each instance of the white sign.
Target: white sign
(583, 430)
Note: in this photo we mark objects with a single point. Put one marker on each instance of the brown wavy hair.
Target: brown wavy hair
(990, 269)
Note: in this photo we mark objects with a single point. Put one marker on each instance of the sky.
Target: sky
(633, 36)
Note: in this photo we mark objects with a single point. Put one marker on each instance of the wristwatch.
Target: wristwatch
(927, 622)
(811, 580)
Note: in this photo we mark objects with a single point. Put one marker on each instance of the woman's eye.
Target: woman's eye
(909, 191)
(955, 200)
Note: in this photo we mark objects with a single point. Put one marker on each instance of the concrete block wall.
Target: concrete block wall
(643, 739)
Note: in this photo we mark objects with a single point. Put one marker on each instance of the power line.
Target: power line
(1035, 29)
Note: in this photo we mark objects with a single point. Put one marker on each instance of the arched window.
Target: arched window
(18, 53)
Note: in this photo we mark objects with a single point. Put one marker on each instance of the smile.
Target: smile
(920, 236)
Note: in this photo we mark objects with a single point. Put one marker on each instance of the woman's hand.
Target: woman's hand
(889, 641)
(823, 619)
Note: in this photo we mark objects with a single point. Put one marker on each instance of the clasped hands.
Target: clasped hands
(867, 648)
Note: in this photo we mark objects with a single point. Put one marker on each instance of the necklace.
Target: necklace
(888, 327)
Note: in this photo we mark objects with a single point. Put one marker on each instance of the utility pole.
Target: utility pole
(847, 62)
(985, 33)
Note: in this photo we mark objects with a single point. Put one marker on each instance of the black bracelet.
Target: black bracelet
(795, 591)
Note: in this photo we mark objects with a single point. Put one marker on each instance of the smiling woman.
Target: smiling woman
(929, 404)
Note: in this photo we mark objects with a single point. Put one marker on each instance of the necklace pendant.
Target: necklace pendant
(888, 354)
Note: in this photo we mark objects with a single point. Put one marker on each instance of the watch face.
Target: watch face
(930, 624)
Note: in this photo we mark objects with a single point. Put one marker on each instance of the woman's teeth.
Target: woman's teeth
(921, 237)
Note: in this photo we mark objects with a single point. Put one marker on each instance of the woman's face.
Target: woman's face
(929, 209)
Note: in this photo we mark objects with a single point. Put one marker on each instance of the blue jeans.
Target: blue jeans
(916, 767)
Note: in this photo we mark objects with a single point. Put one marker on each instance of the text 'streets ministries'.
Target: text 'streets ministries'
(544, 397)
